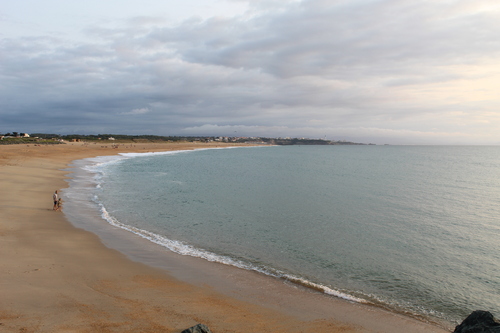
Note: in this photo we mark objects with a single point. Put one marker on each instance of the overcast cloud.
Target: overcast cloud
(379, 71)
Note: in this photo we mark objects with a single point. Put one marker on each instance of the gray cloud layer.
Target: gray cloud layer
(380, 71)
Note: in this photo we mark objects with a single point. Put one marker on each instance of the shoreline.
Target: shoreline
(59, 277)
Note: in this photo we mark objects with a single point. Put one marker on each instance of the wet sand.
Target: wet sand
(56, 277)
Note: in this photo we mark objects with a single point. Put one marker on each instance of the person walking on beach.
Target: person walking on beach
(55, 196)
(59, 204)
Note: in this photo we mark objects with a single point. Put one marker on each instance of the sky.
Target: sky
(370, 71)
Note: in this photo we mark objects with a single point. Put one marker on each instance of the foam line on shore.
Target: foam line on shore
(186, 249)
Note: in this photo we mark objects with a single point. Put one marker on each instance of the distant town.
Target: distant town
(42, 138)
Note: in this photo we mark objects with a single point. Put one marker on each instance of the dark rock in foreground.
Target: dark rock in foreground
(200, 328)
(478, 322)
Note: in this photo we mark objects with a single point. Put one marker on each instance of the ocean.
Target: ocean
(413, 229)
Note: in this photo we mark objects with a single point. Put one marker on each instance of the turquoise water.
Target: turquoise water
(411, 228)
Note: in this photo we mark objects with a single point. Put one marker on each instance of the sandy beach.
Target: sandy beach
(56, 277)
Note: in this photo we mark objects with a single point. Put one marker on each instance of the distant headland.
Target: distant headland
(43, 138)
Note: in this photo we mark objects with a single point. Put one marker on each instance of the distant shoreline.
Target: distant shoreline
(40, 138)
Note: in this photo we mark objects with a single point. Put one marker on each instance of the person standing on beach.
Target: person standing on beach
(55, 196)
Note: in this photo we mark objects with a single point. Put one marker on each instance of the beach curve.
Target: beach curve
(60, 278)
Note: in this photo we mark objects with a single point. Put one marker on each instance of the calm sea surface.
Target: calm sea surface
(414, 229)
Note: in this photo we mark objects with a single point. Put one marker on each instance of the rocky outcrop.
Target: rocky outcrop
(478, 322)
(200, 328)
